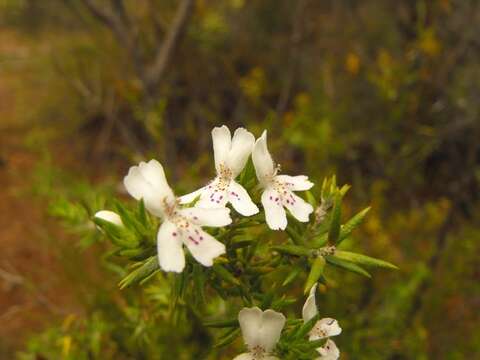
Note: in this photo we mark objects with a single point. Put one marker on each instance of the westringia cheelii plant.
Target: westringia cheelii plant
(213, 251)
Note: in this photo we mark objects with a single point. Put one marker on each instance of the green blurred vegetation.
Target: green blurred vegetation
(384, 94)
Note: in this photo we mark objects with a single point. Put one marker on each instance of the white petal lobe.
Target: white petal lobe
(188, 198)
(240, 200)
(222, 143)
(136, 184)
(298, 207)
(155, 175)
(203, 246)
(169, 248)
(310, 307)
(244, 356)
(147, 181)
(208, 217)
(272, 325)
(325, 328)
(296, 183)
(214, 195)
(242, 143)
(274, 211)
(329, 351)
(250, 320)
(264, 166)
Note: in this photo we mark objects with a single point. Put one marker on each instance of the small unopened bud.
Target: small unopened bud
(109, 216)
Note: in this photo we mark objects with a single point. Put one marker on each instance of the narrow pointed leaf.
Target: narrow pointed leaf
(315, 272)
(146, 269)
(221, 323)
(361, 259)
(224, 274)
(351, 224)
(334, 231)
(292, 276)
(292, 250)
(347, 265)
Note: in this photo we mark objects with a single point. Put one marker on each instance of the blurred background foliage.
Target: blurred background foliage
(384, 94)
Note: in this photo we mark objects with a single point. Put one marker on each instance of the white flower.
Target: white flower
(324, 328)
(231, 155)
(329, 351)
(180, 226)
(109, 216)
(261, 331)
(278, 189)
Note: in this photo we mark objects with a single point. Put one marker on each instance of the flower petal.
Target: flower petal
(147, 181)
(240, 200)
(244, 356)
(325, 328)
(136, 184)
(274, 211)
(188, 198)
(250, 320)
(242, 143)
(310, 307)
(298, 207)
(169, 247)
(329, 351)
(208, 217)
(155, 175)
(222, 142)
(296, 183)
(272, 326)
(203, 247)
(109, 216)
(264, 165)
(214, 195)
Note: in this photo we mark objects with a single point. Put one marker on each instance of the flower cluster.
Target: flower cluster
(182, 224)
(183, 219)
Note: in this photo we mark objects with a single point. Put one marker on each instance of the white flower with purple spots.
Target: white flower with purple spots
(323, 328)
(261, 331)
(279, 190)
(231, 155)
(181, 226)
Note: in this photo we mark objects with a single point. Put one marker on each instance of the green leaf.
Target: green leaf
(314, 344)
(142, 214)
(119, 235)
(222, 323)
(351, 224)
(315, 272)
(241, 244)
(363, 260)
(247, 177)
(292, 276)
(199, 283)
(267, 301)
(319, 241)
(227, 338)
(335, 222)
(347, 265)
(292, 250)
(138, 253)
(224, 274)
(344, 189)
(311, 199)
(295, 236)
(146, 269)
(306, 327)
